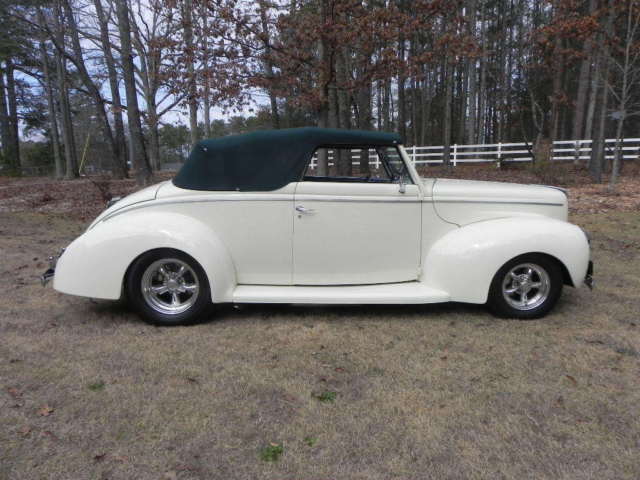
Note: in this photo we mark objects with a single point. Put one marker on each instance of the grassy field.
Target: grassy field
(89, 391)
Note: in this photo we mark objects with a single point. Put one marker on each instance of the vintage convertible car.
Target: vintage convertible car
(252, 219)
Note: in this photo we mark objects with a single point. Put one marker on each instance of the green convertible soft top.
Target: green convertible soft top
(266, 160)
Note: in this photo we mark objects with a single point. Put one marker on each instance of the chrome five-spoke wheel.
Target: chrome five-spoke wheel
(526, 286)
(170, 286)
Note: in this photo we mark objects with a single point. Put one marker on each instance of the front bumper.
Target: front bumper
(588, 278)
(51, 271)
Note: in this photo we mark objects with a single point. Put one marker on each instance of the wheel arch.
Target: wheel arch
(464, 261)
(566, 276)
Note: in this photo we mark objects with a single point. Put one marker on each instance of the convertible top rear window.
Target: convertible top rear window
(265, 160)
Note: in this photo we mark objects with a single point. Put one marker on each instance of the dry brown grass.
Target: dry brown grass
(437, 392)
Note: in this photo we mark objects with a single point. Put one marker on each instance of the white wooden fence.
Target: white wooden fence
(563, 150)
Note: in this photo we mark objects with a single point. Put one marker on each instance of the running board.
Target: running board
(391, 293)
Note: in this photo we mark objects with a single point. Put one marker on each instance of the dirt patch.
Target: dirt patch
(82, 199)
(444, 391)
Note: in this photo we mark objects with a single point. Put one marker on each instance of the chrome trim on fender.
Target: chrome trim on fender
(506, 202)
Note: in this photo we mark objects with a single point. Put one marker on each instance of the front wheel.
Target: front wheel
(526, 287)
(168, 287)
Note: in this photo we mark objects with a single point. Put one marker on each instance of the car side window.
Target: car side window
(358, 165)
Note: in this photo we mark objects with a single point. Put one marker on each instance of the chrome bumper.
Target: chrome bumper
(588, 279)
(51, 271)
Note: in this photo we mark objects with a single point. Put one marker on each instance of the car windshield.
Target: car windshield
(394, 163)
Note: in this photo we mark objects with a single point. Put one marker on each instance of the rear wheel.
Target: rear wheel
(526, 287)
(168, 287)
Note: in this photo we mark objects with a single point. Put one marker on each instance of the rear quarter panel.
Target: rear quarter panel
(94, 265)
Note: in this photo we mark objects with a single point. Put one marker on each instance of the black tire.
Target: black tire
(194, 312)
(504, 308)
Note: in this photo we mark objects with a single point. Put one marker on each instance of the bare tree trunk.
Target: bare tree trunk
(13, 115)
(402, 106)
(482, 100)
(379, 95)
(5, 134)
(326, 74)
(138, 153)
(598, 152)
(206, 107)
(577, 131)
(593, 96)
(14, 135)
(154, 137)
(192, 99)
(597, 146)
(206, 101)
(446, 134)
(628, 69)
(414, 111)
(120, 150)
(345, 167)
(91, 87)
(618, 154)
(148, 59)
(386, 108)
(364, 100)
(427, 95)
(70, 154)
(322, 167)
(55, 139)
(557, 89)
(471, 117)
(268, 65)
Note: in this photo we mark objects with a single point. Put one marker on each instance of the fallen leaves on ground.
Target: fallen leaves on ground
(45, 411)
(14, 392)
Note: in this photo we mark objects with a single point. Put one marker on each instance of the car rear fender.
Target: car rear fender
(94, 265)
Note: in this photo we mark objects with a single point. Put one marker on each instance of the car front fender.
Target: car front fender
(464, 261)
(94, 265)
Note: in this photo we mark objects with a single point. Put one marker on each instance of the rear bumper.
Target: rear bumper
(47, 276)
(51, 271)
(588, 278)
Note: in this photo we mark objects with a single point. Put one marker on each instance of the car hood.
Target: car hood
(466, 201)
(145, 195)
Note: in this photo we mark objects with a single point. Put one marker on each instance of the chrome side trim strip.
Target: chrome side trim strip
(329, 198)
(170, 201)
(507, 202)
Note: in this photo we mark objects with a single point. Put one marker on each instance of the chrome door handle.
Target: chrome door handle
(305, 211)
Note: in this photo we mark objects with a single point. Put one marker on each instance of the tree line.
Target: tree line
(438, 72)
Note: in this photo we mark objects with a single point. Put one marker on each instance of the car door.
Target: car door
(355, 231)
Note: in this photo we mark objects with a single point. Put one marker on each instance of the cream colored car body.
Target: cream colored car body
(322, 242)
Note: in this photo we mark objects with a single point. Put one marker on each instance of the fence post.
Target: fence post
(499, 154)
(455, 153)
(413, 155)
